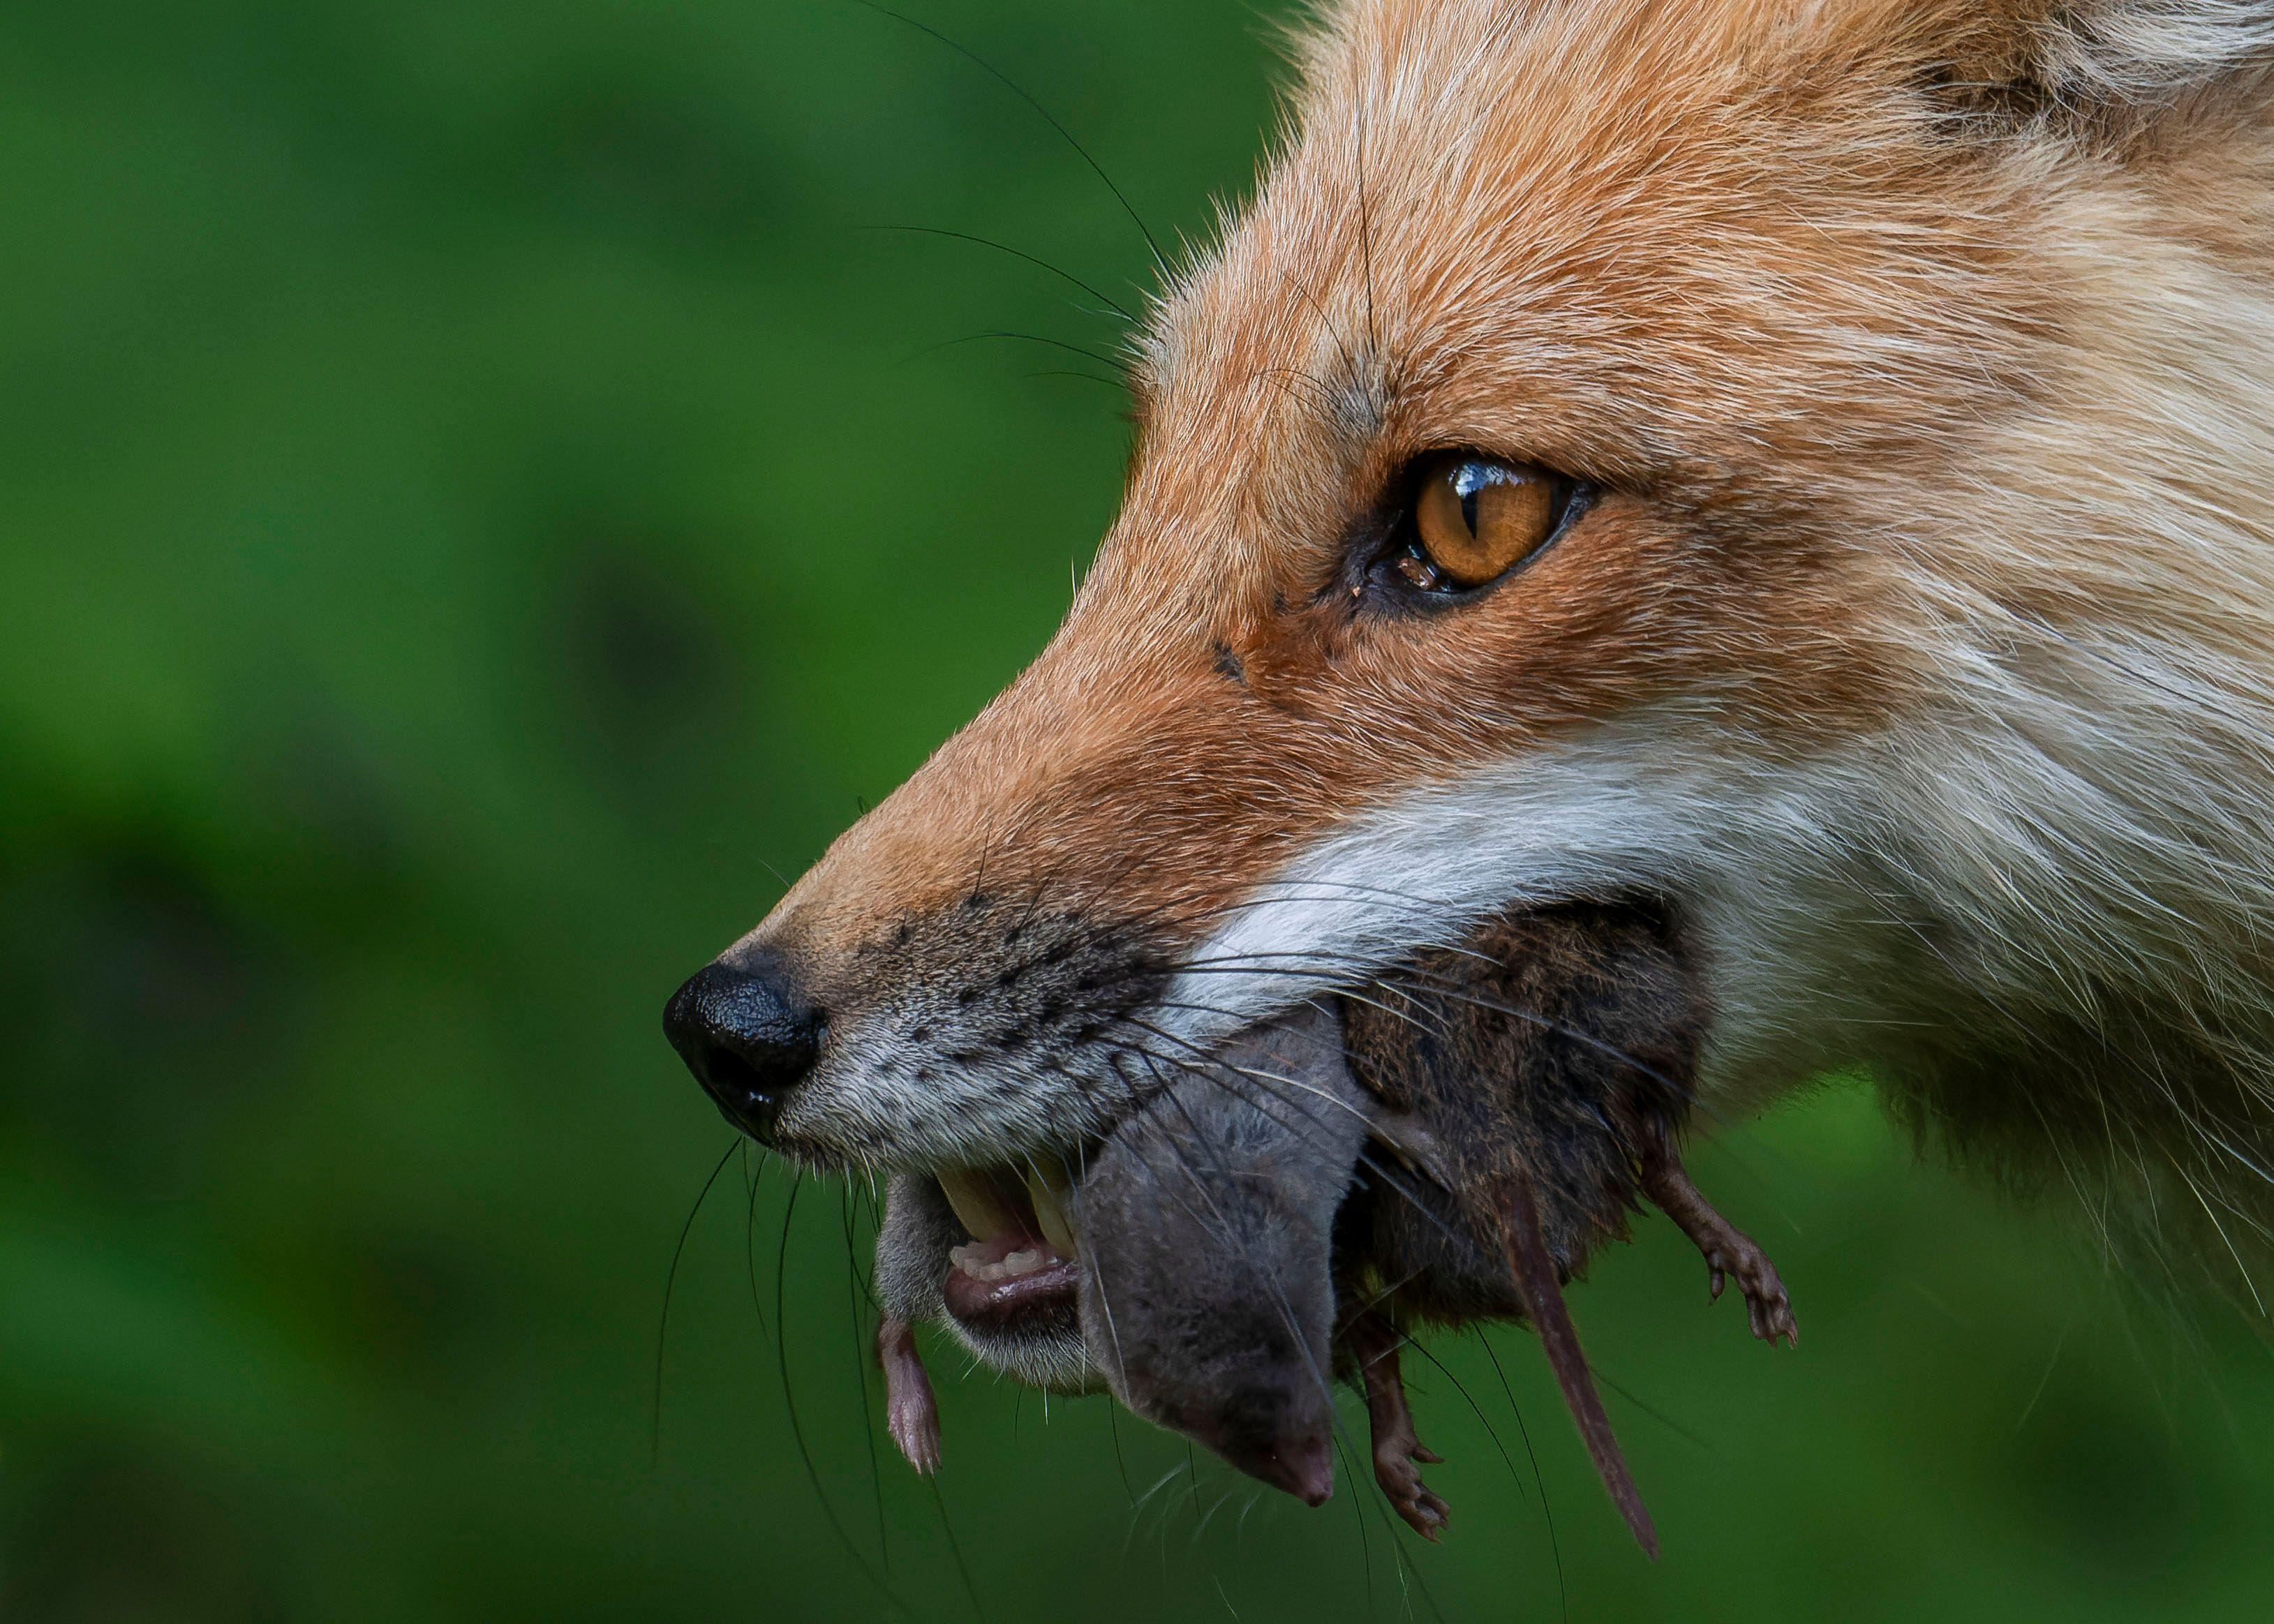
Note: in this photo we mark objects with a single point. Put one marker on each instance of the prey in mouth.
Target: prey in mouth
(991, 1253)
(1329, 1186)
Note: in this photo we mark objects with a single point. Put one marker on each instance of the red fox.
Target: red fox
(1803, 466)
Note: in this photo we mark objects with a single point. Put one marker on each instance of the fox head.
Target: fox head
(1806, 463)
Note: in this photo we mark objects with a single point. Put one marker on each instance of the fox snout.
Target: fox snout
(935, 1041)
(978, 970)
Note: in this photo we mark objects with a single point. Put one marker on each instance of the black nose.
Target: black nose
(747, 1036)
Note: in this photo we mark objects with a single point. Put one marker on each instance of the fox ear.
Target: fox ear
(2100, 68)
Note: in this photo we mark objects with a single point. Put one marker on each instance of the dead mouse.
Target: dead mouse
(1206, 1224)
(1550, 1060)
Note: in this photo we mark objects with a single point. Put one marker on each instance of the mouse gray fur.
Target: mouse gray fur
(1207, 1224)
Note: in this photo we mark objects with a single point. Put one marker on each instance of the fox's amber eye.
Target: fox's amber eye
(1475, 518)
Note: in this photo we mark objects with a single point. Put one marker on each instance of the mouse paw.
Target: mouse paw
(1397, 1446)
(915, 1427)
(1768, 1306)
(1730, 1253)
(1408, 1495)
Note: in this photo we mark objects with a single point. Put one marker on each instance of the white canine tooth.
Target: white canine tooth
(979, 1206)
(1043, 1188)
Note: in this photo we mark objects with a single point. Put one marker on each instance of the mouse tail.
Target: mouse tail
(1543, 1304)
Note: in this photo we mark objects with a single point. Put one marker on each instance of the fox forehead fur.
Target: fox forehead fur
(1917, 648)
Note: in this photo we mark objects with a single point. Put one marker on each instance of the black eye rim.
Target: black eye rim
(1396, 533)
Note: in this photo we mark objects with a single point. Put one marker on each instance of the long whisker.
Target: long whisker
(1018, 90)
(797, 1428)
(861, 1383)
(750, 1238)
(955, 1548)
(1448, 988)
(1546, 1511)
(1119, 368)
(1483, 1420)
(1367, 1159)
(663, 1323)
(1016, 254)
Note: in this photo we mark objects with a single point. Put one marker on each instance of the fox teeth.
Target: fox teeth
(1026, 1260)
(976, 1203)
(1043, 1188)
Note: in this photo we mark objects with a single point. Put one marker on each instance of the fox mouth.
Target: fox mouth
(1018, 1269)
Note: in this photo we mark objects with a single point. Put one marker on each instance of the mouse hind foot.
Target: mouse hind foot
(1397, 1448)
(1730, 1253)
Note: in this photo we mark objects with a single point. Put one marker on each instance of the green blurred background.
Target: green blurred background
(481, 500)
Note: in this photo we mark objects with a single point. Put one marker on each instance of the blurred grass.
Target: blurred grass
(482, 500)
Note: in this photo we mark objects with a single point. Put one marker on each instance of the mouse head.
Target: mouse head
(1207, 1221)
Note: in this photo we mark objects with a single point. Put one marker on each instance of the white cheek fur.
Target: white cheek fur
(1748, 849)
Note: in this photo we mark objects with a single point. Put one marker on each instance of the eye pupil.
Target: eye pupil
(1475, 518)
